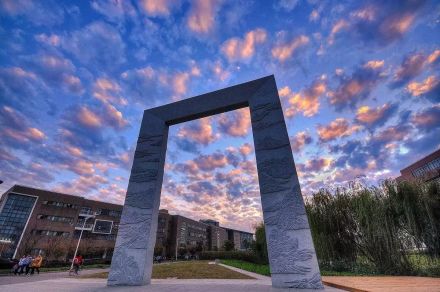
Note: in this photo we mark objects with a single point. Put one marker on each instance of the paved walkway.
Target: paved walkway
(43, 276)
(384, 283)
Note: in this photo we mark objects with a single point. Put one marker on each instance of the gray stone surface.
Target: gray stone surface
(291, 252)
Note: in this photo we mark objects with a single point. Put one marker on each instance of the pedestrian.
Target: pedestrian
(20, 266)
(28, 264)
(36, 264)
(77, 262)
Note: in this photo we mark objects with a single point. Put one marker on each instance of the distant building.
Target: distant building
(40, 221)
(241, 239)
(425, 169)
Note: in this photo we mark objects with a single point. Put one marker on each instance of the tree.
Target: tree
(260, 246)
(228, 245)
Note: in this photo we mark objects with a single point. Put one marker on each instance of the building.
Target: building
(426, 169)
(241, 239)
(40, 221)
(216, 235)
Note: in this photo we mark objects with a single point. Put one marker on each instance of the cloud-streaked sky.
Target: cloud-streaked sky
(358, 80)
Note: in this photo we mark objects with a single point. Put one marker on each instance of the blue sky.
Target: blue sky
(358, 81)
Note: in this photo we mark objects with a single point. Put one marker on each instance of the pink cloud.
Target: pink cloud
(300, 140)
(199, 131)
(243, 49)
(283, 52)
(236, 123)
(158, 7)
(336, 129)
(201, 18)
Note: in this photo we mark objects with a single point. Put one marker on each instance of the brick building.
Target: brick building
(40, 221)
(34, 221)
(426, 169)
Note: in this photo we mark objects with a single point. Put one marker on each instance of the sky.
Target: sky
(358, 81)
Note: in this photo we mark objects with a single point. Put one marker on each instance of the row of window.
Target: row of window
(84, 210)
(55, 218)
(430, 166)
(50, 233)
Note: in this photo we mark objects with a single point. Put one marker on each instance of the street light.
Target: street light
(86, 217)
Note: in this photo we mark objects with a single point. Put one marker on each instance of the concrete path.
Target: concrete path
(43, 276)
(159, 285)
(62, 282)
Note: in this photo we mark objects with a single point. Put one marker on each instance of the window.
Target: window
(55, 218)
(103, 226)
(50, 233)
(13, 218)
(59, 204)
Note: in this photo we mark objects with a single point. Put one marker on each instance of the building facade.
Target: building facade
(40, 221)
(34, 221)
(425, 169)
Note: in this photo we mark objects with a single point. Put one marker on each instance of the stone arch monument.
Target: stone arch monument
(292, 255)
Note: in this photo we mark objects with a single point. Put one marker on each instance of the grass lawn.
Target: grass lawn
(265, 270)
(187, 270)
(247, 266)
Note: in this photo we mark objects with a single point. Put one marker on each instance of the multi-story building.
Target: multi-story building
(40, 221)
(425, 169)
(241, 239)
(216, 234)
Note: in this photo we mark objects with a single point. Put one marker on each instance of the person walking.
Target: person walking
(28, 263)
(20, 267)
(36, 264)
(77, 262)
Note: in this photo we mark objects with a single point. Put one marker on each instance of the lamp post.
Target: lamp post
(86, 217)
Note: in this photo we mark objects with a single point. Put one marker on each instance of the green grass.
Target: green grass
(186, 270)
(247, 266)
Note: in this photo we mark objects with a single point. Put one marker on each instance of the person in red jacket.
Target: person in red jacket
(77, 263)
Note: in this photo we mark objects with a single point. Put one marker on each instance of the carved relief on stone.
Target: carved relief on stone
(142, 199)
(270, 143)
(150, 140)
(260, 112)
(145, 176)
(285, 254)
(307, 283)
(125, 269)
(287, 214)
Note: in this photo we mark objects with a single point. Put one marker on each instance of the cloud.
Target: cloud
(50, 40)
(375, 117)
(211, 162)
(236, 123)
(246, 149)
(40, 13)
(88, 118)
(336, 129)
(379, 22)
(287, 5)
(56, 71)
(300, 140)
(411, 67)
(159, 7)
(97, 45)
(236, 49)
(16, 130)
(159, 83)
(283, 52)
(428, 88)
(108, 91)
(357, 87)
(114, 11)
(306, 101)
(199, 131)
(315, 165)
(428, 119)
(202, 16)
